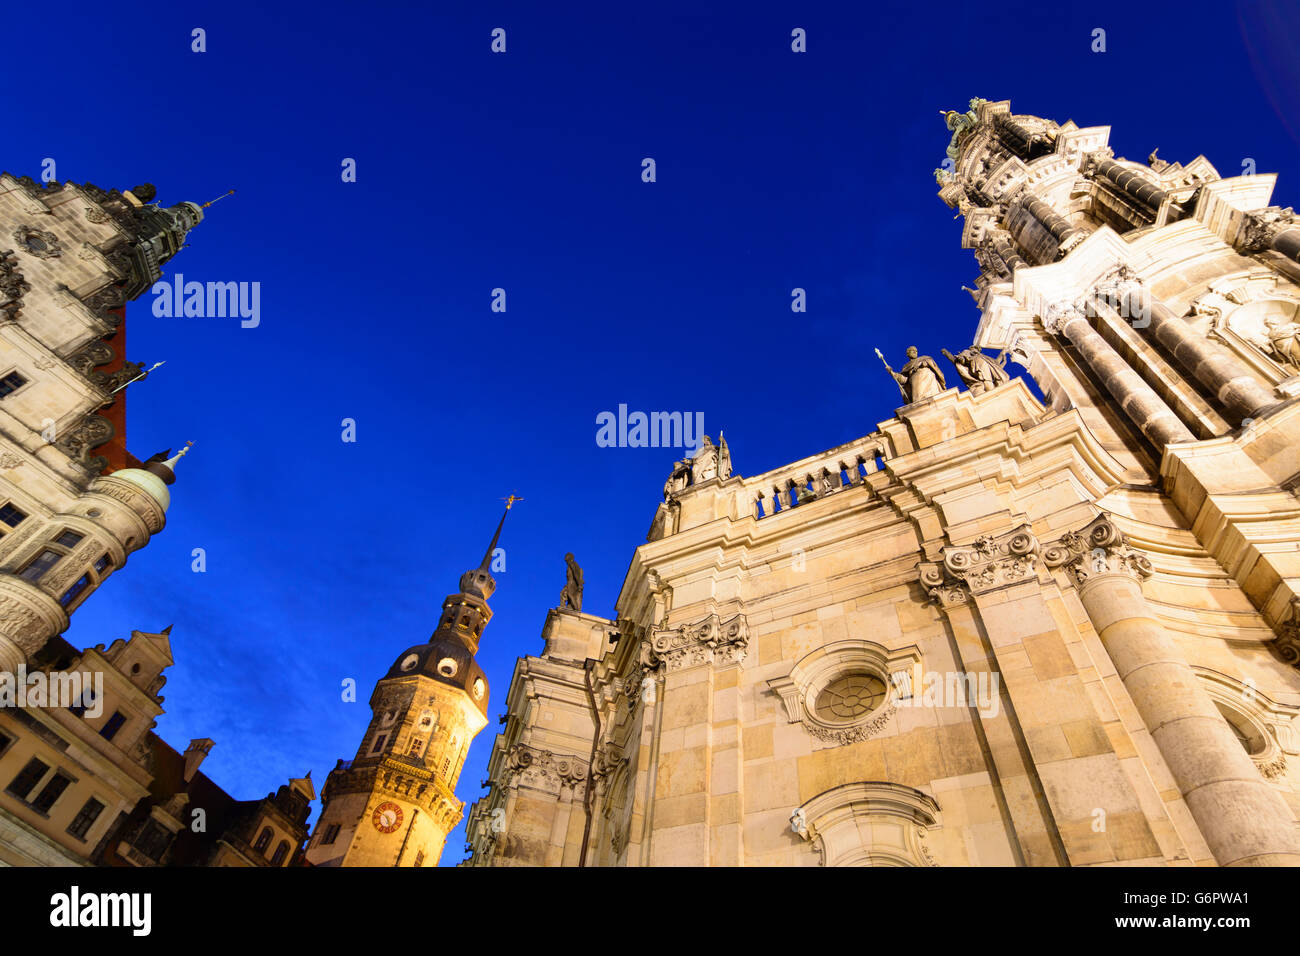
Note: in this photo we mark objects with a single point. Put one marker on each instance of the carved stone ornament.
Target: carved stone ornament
(78, 441)
(1261, 227)
(96, 215)
(526, 766)
(1057, 315)
(12, 286)
(709, 641)
(9, 460)
(986, 564)
(1287, 644)
(37, 242)
(1098, 548)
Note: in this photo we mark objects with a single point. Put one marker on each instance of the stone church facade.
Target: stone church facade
(996, 630)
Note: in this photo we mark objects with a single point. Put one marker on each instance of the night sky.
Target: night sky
(522, 171)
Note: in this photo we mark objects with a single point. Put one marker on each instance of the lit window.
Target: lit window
(68, 539)
(11, 515)
(86, 818)
(37, 567)
(78, 586)
(11, 383)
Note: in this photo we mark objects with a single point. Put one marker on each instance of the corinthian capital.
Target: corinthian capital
(986, 564)
(708, 641)
(1057, 315)
(1096, 549)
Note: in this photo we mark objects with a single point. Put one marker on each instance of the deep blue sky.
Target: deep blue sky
(775, 170)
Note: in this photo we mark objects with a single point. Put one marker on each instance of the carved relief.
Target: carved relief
(37, 242)
(988, 563)
(708, 641)
(526, 766)
(1098, 548)
(78, 441)
(12, 286)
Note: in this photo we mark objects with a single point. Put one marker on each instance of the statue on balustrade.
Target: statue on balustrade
(711, 461)
(571, 595)
(977, 370)
(920, 377)
(679, 479)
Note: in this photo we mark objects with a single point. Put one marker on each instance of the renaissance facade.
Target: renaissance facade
(996, 630)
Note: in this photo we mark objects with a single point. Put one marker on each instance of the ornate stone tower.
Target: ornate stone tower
(395, 802)
(994, 631)
(73, 503)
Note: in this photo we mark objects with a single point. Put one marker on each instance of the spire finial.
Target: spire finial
(171, 462)
(487, 557)
(218, 199)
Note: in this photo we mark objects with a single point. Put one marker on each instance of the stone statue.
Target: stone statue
(679, 479)
(1283, 341)
(705, 463)
(977, 370)
(920, 377)
(724, 458)
(571, 595)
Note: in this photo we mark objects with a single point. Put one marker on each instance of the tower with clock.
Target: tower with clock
(394, 803)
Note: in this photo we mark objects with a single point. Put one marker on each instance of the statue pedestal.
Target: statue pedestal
(573, 636)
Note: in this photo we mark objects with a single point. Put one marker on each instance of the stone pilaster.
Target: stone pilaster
(1244, 821)
(698, 801)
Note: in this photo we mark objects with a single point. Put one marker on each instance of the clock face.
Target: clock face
(387, 817)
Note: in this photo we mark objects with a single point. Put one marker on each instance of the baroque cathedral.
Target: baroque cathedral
(997, 630)
(1000, 630)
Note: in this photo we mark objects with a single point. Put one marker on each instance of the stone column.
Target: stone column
(1134, 185)
(1243, 819)
(1143, 406)
(1040, 230)
(1210, 364)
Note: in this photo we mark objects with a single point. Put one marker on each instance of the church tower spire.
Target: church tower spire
(394, 803)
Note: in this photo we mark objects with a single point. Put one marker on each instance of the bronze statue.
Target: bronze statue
(571, 595)
(977, 370)
(920, 377)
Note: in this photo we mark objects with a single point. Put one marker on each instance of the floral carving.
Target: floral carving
(37, 242)
(1098, 548)
(709, 641)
